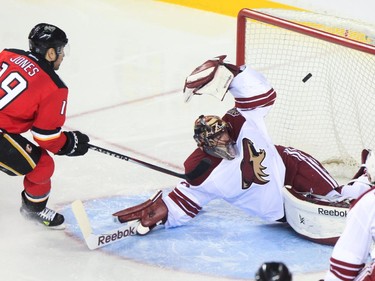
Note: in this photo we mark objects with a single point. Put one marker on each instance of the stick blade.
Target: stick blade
(95, 241)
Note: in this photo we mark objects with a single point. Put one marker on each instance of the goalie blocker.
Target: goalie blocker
(316, 218)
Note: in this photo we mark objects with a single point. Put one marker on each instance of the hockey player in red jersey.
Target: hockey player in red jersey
(34, 98)
(245, 168)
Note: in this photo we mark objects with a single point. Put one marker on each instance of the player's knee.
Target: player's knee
(43, 170)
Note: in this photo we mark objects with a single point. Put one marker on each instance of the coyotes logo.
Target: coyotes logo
(251, 165)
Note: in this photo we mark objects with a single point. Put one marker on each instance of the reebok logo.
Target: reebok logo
(333, 213)
(301, 219)
(106, 238)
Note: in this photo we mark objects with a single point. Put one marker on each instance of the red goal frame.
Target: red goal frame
(309, 31)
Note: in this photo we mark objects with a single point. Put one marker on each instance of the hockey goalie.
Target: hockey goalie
(271, 182)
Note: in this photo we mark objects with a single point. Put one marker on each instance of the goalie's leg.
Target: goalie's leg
(306, 174)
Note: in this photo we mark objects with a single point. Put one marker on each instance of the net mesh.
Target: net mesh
(326, 91)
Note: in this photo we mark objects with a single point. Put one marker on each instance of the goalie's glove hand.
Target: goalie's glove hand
(213, 77)
(76, 144)
(151, 213)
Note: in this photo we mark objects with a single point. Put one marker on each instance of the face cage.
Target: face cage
(225, 151)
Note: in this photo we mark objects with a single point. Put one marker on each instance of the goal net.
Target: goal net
(323, 70)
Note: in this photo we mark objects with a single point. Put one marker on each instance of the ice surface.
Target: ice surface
(221, 241)
(125, 72)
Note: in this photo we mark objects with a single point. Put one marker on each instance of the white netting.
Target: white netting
(331, 115)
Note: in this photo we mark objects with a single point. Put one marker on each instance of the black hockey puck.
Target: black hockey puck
(307, 77)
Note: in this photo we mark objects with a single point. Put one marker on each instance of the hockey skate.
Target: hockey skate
(46, 216)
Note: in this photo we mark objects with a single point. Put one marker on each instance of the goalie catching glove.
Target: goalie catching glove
(151, 213)
(212, 77)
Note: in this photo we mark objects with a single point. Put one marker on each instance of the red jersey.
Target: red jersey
(32, 97)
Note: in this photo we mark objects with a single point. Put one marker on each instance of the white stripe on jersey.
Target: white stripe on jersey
(44, 137)
(313, 164)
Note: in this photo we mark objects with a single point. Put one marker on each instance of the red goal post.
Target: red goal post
(323, 69)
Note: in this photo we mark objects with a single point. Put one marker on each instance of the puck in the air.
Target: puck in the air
(307, 77)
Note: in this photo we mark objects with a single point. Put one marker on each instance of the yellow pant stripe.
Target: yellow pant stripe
(10, 169)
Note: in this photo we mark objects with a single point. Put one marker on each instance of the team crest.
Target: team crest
(251, 165)
(29, 148)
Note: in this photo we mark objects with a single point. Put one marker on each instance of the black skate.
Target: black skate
(46, 216)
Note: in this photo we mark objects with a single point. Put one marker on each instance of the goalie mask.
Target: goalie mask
(211, 134)
(213, 77)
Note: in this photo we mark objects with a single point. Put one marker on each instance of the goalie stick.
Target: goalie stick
(198, 171)
(95, 241)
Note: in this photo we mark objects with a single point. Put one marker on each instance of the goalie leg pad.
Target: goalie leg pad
(315, 217)
(151, 213)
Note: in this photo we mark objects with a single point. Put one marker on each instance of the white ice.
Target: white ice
(125, 72)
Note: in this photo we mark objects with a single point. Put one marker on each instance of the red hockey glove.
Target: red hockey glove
(151, 213)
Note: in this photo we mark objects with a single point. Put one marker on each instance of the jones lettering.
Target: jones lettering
(30, 68)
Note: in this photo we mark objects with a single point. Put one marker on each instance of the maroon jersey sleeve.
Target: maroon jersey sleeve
(193, 162)
(32, 97)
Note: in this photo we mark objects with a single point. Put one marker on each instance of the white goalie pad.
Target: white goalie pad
(316, 218)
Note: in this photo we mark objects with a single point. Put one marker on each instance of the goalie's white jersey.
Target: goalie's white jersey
(352, 250)
(254, 179)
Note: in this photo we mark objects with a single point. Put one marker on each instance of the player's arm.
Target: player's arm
(251, 90)
(215, 77)
(352, 249)
(47, 130)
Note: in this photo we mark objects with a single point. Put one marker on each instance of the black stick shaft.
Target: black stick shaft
(134, 160)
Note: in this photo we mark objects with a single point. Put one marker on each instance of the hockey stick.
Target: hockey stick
(95, 241)
(198, 171)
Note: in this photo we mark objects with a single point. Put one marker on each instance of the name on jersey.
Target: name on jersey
(334, 213)
(107, 238)
(30, 68)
